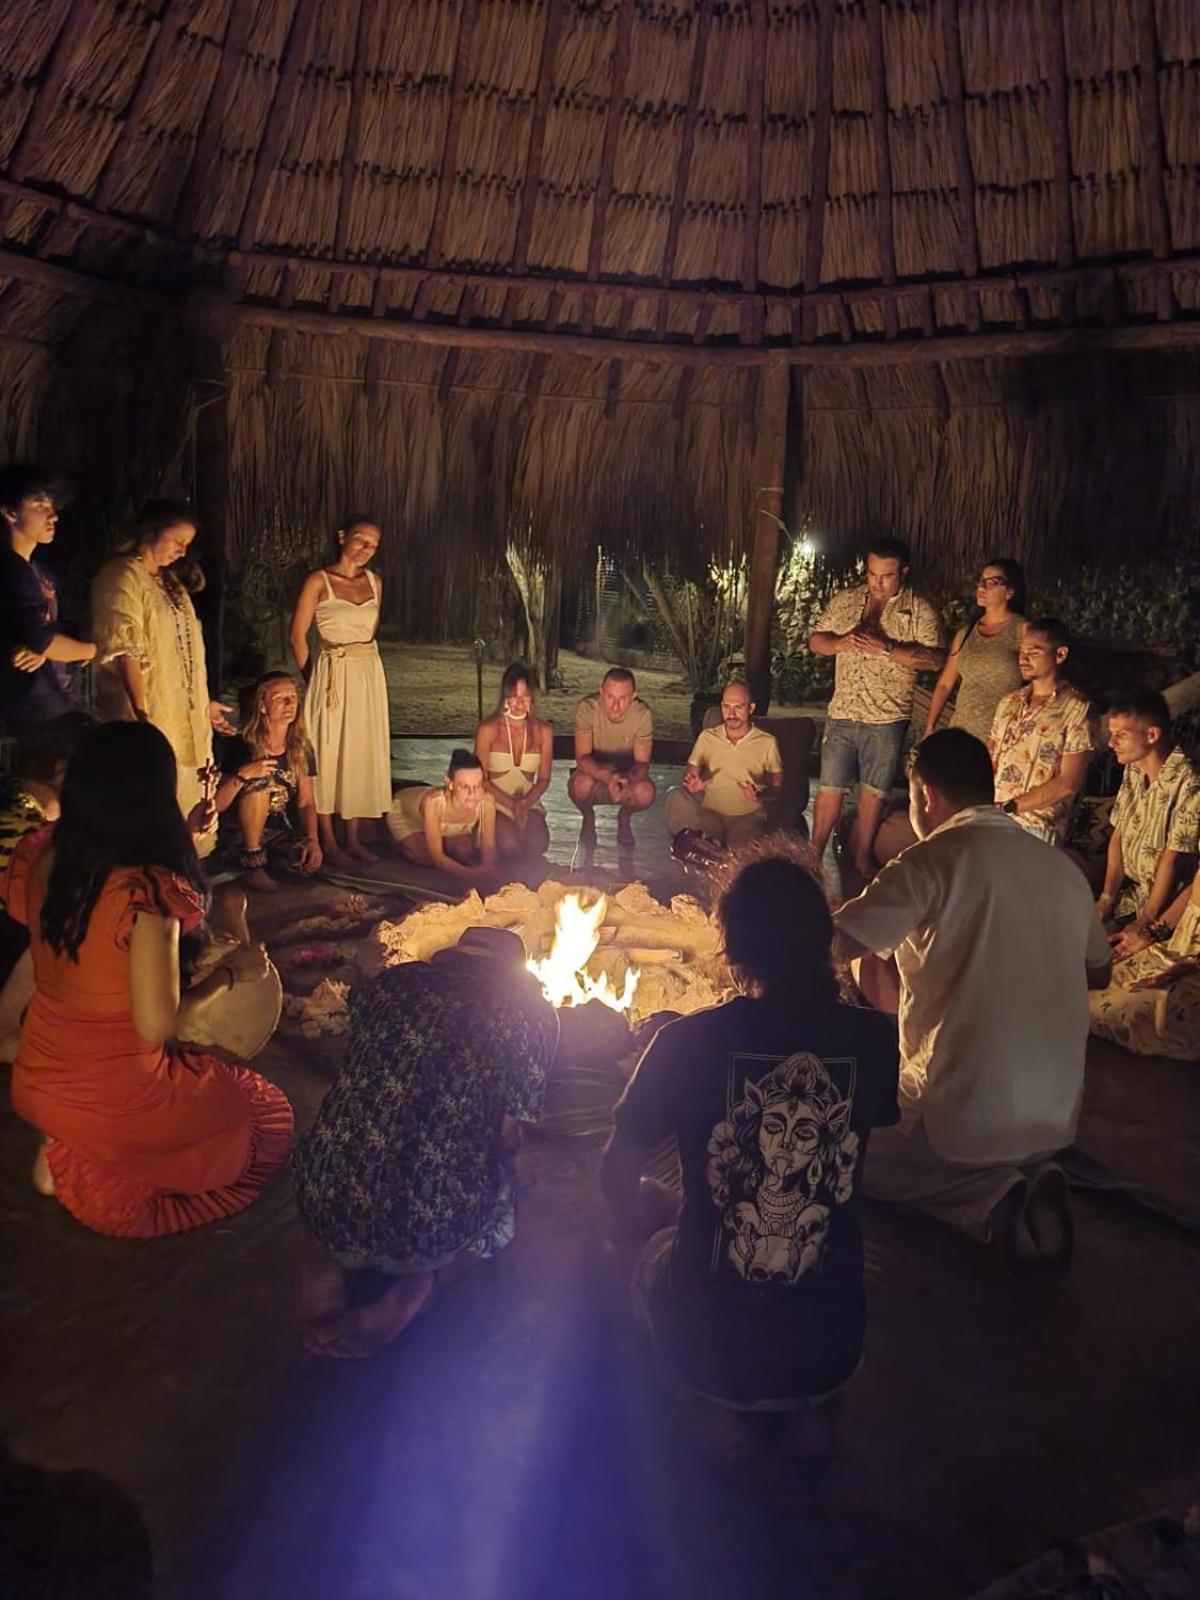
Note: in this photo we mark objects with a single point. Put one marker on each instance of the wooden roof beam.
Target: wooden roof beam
(1050, 22)
(612, 130)
(1153, 162)
(448, 171)
(701, 28)
(537, 134)
(883, 162)
(964, 171)
(149, 81)
(61, 59)
(818, 177)
(757, 116)
(283, 104)
(896, 352)
(531, 183)
(612, 387)
(65, 280)
(204, 152)
(352, 147)
(537, 367)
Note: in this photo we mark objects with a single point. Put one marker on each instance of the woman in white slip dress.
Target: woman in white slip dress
(515, 748)
(346, 706)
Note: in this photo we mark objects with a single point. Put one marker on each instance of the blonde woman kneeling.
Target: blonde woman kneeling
(452, 828)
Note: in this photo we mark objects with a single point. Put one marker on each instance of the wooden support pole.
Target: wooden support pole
(770, 460)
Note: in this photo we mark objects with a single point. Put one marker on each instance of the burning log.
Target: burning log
(629, 952)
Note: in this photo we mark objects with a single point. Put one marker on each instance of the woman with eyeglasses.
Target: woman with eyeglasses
(983, 657)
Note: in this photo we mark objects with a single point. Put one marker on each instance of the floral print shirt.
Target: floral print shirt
(406, 1163)
(1152, 816)
(1027, 745)
(877, 689)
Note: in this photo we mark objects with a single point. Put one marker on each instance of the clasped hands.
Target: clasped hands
(864, 642)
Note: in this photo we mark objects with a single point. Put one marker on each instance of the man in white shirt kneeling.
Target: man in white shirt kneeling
(997, 943)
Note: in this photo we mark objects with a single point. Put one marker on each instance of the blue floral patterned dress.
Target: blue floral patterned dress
(407, 1163)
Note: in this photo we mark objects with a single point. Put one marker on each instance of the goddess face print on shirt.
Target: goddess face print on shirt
(780, 1163)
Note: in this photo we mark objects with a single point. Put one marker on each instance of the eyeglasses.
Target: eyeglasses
(991, 583)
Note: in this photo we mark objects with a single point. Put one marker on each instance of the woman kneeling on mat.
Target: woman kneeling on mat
(141, 1136)
(452, 828)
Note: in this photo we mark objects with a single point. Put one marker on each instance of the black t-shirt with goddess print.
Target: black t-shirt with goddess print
(770, 1106)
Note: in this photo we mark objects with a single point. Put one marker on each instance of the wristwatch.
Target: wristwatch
(1009, 808)
(888, 646)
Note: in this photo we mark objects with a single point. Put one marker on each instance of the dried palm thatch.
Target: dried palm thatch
(1063, 464)
(632, 183)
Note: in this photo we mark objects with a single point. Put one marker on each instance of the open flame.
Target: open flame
(563, 975)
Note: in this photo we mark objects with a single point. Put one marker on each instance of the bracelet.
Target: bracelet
(1158, 932)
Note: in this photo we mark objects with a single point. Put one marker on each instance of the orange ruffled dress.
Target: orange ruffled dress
(143, 1140)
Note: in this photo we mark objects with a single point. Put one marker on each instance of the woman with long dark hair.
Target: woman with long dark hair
(516, 750)
(151, 662)
(983, 656)
(346, 706)
(141, 1137)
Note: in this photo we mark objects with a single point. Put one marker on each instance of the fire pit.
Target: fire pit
(628, 952)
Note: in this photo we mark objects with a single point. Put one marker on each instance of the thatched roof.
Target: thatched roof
(558, 230)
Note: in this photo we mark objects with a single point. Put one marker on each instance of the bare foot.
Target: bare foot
(360, 1333)
(361, 853)
(322, 1294)
(337, 857)
(43, 1178)
(260, 880)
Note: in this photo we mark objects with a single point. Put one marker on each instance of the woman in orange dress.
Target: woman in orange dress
(140, 1138)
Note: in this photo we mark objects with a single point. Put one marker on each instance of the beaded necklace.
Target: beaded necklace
(176, 599)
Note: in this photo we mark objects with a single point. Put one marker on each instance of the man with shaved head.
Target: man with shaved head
(731, 788)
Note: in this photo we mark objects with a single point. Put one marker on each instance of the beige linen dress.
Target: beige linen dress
(155, 624)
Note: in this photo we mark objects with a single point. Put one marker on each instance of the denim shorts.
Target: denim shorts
(864, 752)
